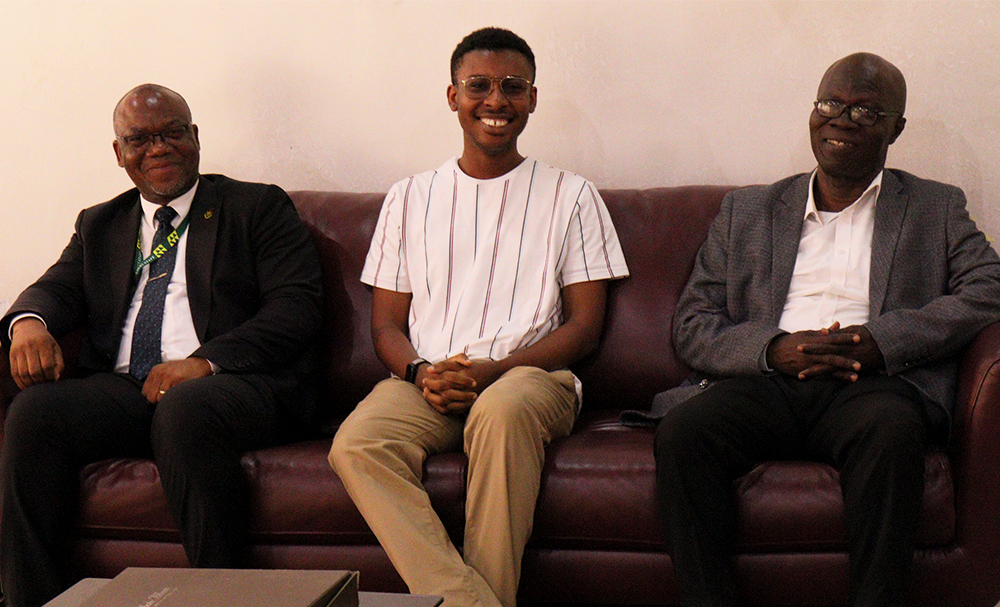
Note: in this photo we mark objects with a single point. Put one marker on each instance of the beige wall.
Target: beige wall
(351, 95)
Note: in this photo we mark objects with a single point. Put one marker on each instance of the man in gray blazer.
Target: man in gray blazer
(831, 307)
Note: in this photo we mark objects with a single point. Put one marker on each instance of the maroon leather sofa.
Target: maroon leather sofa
(596, 538)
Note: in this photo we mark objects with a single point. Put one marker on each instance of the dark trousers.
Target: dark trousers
(874, 431)
(196, 434)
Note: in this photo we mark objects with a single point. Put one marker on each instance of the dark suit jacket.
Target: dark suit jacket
(253, 277)
(935, 282)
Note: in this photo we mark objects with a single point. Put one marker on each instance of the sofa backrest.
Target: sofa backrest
(660, 231)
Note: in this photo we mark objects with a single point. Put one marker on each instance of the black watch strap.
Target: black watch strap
(411, 369)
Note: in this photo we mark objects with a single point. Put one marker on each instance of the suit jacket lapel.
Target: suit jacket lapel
(890, 210)
(202, 232)
(121, 244)
(786, 230)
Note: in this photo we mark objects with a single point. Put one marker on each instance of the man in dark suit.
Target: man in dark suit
(830, 307)
(200, 295)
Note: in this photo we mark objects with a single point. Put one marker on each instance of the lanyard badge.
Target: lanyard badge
(159, 250)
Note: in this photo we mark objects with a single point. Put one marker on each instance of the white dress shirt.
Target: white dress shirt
(179, 338)
(833, 265)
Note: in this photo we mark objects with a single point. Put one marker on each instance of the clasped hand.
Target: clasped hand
(452, 385)
(831, 352)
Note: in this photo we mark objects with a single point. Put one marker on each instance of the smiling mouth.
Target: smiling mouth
(161, 167)
(495, 122)
(838, 143)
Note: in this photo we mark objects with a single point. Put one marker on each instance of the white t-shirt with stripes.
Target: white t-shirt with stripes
(485, 260)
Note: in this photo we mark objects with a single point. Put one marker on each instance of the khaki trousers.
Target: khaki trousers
(379, 453)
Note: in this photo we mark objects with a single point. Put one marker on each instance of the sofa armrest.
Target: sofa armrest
(975, 448)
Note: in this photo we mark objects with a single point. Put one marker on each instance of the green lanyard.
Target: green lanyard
(172, 239)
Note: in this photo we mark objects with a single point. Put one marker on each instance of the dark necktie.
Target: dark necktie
(149, 322)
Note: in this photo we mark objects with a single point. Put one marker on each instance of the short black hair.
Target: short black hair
(490, 39)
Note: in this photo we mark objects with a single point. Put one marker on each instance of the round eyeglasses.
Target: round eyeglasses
(865, 116)
(480, 87)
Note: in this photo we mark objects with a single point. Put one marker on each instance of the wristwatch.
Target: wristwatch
(411, 369)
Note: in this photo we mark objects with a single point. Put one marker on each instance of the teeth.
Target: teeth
(494, 122)
(839, 144)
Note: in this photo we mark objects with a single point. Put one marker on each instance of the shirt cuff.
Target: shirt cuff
(13, 321)
(762, 361)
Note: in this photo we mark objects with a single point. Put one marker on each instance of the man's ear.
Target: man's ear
(118, 152)
(453, 97)
(900, 124)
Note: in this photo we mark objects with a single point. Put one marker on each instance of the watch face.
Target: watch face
(411, 370)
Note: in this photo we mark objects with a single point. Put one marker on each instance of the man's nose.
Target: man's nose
(496, 96)
(159, 143)
(844, 120)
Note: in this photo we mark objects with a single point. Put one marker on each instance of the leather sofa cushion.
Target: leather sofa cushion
(598, 493)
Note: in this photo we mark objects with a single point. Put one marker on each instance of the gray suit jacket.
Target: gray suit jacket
(935, 283)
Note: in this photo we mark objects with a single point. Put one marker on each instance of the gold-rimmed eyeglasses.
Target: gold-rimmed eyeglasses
(480, 87)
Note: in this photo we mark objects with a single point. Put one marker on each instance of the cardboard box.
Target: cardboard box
(159, 587)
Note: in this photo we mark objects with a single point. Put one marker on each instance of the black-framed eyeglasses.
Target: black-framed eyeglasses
(512, 87)
(865, 116)
(170, 136)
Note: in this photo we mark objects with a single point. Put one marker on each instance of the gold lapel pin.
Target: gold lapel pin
(208, 213)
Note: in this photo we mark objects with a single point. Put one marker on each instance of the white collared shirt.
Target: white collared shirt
(179, 338)
(833, 265)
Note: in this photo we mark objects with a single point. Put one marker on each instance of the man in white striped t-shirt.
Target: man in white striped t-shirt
(489, 279)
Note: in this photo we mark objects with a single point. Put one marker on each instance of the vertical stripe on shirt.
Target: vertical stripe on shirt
(451, 250)
(493, 343)
(402, 239)
(548, 251)
(381, 246)
(427, 285)
(475, 232)
(564, 249)
(520, 250)
(604, 233)
(578, 221)
(427, 210)
(520, 247)
(493, 262)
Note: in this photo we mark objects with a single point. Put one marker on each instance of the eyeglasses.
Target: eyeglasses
(170, 136)
(865, 116)
(512, 87)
